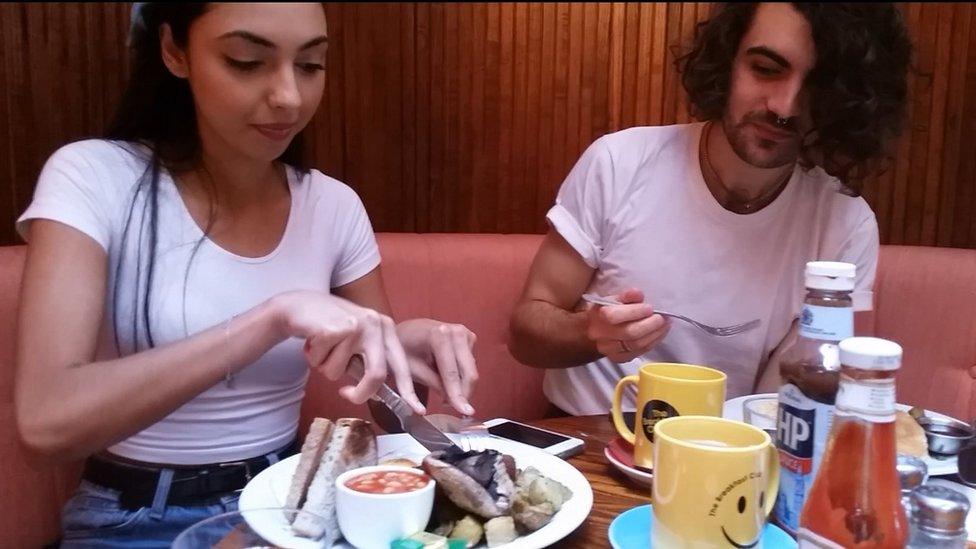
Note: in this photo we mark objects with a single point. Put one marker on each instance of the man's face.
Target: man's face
(767, 83)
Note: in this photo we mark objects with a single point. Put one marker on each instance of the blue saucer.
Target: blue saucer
(632, 530)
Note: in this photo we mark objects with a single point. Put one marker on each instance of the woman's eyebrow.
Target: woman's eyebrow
(264, 42)
(314, 42)
(250, 37)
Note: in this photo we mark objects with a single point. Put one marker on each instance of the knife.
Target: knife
(417, 426)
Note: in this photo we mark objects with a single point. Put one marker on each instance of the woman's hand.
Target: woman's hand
(334, 330)
(440, 356)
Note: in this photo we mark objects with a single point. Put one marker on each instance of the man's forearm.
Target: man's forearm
(545, 336)
(768, 381)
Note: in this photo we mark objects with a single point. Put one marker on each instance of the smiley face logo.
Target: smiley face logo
(742, 505)
(739, 510)
(653, 412)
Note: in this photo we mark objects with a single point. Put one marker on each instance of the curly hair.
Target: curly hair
(858, 87)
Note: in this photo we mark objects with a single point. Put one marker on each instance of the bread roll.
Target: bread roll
(910, 436)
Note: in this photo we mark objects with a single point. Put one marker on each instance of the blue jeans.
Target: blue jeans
(93, 518)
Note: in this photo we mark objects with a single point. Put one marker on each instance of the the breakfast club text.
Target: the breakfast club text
(735, 484)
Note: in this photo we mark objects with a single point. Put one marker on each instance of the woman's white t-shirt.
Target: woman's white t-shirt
(328, 242)
(636, 208)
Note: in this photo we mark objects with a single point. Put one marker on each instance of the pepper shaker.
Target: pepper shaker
(939, 520)
(912, 473)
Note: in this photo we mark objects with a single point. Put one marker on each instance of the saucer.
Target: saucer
(620, 454)
(632, 530)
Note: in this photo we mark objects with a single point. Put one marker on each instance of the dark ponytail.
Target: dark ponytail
(157, 113)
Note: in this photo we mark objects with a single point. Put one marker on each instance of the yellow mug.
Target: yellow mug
(715, 482)
(666, 390)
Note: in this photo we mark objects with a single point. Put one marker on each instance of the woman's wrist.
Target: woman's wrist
(274, 315)
(260, 328)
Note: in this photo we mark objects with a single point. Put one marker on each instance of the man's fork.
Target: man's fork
(722, 331)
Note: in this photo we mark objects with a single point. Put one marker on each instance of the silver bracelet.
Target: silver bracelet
(229, 376)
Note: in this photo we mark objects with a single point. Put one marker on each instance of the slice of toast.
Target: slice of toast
(317, 440)
(352, 445)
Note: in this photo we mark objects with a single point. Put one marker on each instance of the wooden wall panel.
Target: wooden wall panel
(62, 68)
(466, 117)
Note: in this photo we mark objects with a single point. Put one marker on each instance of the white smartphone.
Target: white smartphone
(554, 443)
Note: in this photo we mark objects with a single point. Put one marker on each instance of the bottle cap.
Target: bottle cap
(940, 509)
(870, 353)
(830, 275)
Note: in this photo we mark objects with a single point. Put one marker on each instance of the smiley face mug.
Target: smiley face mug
(715, 482)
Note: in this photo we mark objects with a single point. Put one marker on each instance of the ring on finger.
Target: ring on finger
(357, 368)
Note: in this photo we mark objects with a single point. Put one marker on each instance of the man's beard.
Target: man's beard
(762, 153)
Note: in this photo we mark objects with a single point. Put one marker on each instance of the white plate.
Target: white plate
(937, 467)
(270, 488)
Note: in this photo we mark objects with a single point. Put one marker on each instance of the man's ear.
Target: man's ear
(173, 57)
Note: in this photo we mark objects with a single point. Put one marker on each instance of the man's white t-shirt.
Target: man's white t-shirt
(328, 242)
(637, 210)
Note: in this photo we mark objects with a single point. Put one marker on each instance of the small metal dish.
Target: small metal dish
(946, 437)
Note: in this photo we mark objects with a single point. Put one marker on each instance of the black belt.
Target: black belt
(192, 485)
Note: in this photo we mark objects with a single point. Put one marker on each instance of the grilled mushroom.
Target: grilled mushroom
(478, 482)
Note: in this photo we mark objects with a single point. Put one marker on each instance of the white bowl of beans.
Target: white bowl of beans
(380, 504)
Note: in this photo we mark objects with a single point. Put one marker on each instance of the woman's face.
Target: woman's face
(257, 74)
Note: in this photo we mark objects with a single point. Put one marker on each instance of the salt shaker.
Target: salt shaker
(912, 473)
(939, 520)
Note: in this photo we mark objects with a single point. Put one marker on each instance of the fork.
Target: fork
(472, 434)
(721, 331)
(466, 431)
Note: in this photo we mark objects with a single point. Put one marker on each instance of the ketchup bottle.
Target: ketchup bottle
(855, 501)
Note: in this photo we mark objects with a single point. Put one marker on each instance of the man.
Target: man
(716, 220)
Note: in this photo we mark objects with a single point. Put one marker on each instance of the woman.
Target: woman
(176, 269)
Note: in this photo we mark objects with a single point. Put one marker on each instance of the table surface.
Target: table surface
(613, 493)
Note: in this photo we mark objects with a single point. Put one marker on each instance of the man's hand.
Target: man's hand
(625, 332)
